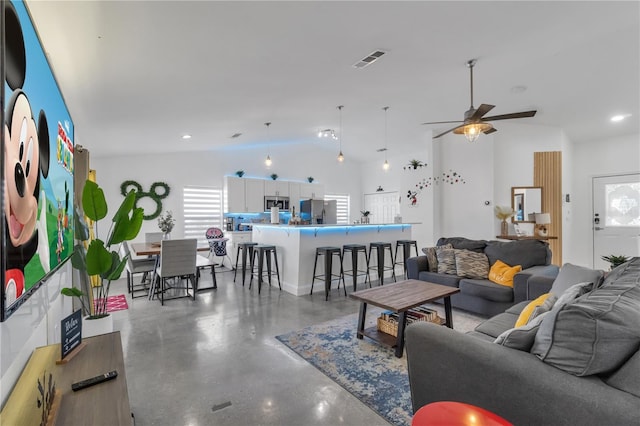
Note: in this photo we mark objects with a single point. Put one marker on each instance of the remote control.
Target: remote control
(94, 380)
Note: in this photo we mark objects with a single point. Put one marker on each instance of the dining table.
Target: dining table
(153, 249)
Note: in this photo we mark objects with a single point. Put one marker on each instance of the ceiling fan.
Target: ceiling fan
(474, 121)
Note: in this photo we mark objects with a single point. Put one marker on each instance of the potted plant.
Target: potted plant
(240, 173)
(414, 164)
(98, 261)
(166, 223)
(503, 213)
(274, 176)
(615, 260)
(310, 179)
(365, 216)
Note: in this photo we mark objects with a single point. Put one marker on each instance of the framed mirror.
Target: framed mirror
(525, 201)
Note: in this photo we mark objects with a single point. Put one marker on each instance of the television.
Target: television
(37, 163)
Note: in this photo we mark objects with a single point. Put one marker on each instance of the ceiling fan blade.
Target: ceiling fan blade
(482, 110)
(491, 130)
(523, 114)
(448, 131)
(442, 122)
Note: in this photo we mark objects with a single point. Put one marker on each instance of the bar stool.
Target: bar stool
(355, 250)
(406, 252)
(380, 267)
(264, 252)
(245, 248)
(328, 275)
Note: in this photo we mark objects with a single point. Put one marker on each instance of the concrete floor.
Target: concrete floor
(188, 359)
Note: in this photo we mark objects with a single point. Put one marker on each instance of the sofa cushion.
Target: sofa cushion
(572, 274)
(526, 253)
(485, 289)
(521, 338)
(497, 325)
(535, 308)
(442, 279)
(471, 264)
(627, 377)
(463, 243)
(446, 260)
(595, 333)
(501, 273)
(518, 307)
(432, 259)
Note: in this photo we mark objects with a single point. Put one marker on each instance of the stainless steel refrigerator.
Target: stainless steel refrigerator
(318, 211)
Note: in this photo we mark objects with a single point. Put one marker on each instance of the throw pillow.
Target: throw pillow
(521, 338)
(432, 259)
(501, 273)
(471, 264)
(446, 260)
(535, 308)
(572, 274)
(594, 334)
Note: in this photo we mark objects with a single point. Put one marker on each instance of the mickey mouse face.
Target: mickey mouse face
(21, 159)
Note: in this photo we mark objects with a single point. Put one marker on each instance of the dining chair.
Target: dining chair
(177, 260)
(137, 266)
(218, 245)
(153, 237)
(203, 262)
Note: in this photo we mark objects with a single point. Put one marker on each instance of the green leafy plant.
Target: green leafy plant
(615, 260)
(240, 173)
(274, 176)
(310, 179)
(414, 164)
(98, 260)
(365, 213)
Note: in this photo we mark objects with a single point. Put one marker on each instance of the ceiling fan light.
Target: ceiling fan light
(473, 130)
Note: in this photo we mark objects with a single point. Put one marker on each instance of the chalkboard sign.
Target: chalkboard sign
(71, 330)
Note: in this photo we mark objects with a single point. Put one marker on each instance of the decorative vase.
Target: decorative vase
(504, 227)
(166, 236)
(96, 326)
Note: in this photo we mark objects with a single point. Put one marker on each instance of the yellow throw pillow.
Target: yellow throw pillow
(525, 315)
(502, 274)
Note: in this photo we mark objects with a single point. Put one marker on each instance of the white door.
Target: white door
(384, 206)
(616, 217)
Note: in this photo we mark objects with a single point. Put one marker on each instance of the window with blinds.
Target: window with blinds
(343, 203)
(202, 210)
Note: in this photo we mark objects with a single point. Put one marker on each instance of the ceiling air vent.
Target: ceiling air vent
(236, 135)
(371, 58)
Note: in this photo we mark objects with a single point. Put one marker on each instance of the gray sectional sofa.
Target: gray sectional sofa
(481, 295)
(578, 364)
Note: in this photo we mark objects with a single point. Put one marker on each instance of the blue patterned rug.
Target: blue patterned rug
(369, 371)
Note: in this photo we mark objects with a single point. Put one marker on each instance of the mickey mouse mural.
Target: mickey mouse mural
(36, 202)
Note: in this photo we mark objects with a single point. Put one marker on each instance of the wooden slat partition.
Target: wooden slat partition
(547, 173)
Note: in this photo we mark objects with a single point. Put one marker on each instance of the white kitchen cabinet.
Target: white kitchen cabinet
(276, 188)
(243, 195)
(311, 191)
(254, 195)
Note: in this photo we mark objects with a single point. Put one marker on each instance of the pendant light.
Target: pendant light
(267, 161)
(385, 166)
(340, 156)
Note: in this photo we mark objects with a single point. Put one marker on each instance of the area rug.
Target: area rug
(369, 371)
(114, 303)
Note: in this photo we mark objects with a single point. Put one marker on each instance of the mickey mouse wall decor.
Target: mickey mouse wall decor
(38, 163)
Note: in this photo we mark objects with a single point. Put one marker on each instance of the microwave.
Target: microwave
(281, 202)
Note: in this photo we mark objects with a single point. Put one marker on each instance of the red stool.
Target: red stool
(456, 414)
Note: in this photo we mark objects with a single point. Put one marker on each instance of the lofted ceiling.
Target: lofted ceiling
(137, 75)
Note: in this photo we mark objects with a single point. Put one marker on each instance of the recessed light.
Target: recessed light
(620, 117)
(186, 136)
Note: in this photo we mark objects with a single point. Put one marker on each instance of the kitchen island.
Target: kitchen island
(296, 246)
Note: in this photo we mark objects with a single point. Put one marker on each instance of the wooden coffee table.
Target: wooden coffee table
(400, 297)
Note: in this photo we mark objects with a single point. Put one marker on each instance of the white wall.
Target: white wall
(36, 323)
(290, 162)
(590, 159)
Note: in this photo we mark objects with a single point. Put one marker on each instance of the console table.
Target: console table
(103, 404)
